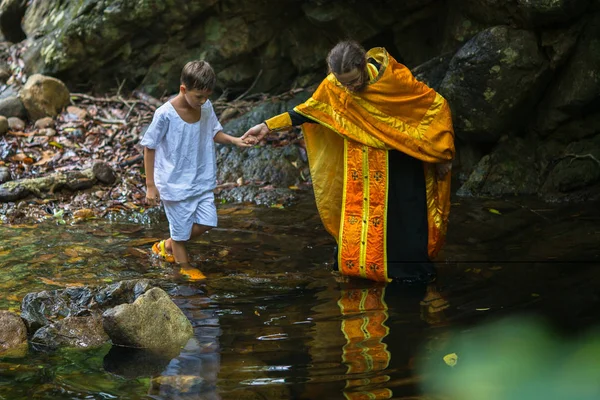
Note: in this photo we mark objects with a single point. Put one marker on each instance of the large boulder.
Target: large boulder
(510, 169)
(44, 96)
(576, 90)
(152, 322)
(493, 82)
(13, 333)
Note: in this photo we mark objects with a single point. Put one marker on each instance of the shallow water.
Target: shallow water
(272, 321)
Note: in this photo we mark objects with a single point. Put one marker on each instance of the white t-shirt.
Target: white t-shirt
(185, 162)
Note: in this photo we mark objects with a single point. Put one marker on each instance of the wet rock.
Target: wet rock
(43, 308)
(12, 106)
(13, 332)
(510, 169)
(5, 174)
(16, 124)
(3, 125)
(77, 332)
(152, 321)
(45, 122)
(11, 13)
(493, 81)
(44, 96)
(104, 173)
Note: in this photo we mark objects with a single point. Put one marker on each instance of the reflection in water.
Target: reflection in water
(375, 349)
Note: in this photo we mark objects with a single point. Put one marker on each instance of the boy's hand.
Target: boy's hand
(257, 131)
(152, 196)
(238, 141)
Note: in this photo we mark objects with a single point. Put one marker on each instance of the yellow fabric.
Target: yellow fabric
(395, 111)
(280, 121)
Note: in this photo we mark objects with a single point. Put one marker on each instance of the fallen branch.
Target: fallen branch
(574, 157)
(251, 86)
(146, 98)
(71, 180)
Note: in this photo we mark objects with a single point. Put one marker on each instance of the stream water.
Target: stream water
(272, 321)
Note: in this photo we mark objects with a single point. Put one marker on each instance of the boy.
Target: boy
(180, 160)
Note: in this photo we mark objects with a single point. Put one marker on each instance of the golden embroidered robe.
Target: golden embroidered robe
(348, 158)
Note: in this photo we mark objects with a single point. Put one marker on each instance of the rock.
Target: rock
(257, 195)
(3, 125)
(44, 96)
(47, 132)
(510, 169)
(11, 14)
(578, 85)
(493, 82)
(104, 173)
(279, 166)
(544, 13)
(433, 71)
(12, 106)
(76, 113)
(4, 74)
(16, 124)
(153, 322)
(5, 174)
(577, 167)
(77, 332)
(13, 332)
(46, 307)
(45, 122)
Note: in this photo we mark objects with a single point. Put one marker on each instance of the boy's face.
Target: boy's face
(195, 97)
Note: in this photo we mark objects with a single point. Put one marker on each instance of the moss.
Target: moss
(489, 94)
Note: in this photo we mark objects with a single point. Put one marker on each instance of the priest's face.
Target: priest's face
(354, 80)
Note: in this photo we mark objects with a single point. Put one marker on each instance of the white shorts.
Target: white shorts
(182, 215)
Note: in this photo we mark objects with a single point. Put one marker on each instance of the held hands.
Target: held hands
(152, 196)
(442, 169)
(257, 132)
(248, 142)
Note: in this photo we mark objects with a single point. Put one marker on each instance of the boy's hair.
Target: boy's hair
(198, 75)
(346, 56)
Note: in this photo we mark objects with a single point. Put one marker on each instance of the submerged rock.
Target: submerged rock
(152, 321)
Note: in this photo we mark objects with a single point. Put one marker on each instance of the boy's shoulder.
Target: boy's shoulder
(164, 109)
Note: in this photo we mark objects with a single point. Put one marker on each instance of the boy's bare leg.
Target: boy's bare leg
(197, 230)
(179, 252)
